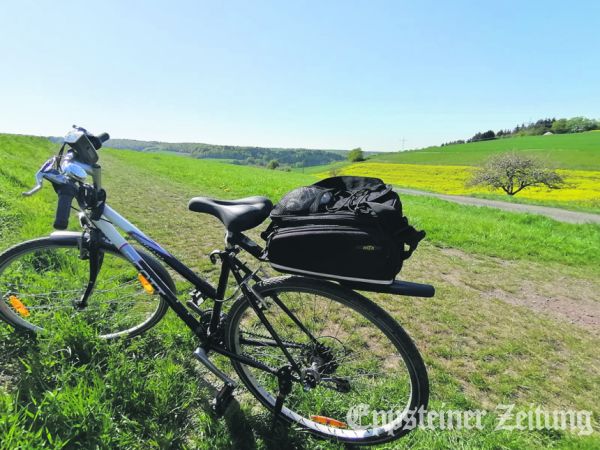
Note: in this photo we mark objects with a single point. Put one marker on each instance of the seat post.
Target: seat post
(229, 245)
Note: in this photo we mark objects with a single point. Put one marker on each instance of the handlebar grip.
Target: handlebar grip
(66, 193)
(103, 137)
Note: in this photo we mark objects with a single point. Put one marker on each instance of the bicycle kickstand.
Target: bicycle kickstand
(284, 380)
(225, 395)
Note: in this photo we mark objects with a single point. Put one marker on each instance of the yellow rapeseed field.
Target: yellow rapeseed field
(582, 186)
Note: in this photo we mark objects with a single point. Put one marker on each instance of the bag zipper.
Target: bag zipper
(322, 228)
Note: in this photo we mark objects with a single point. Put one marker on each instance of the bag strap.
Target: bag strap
(265, 234)
(411, 237)
(387, 189)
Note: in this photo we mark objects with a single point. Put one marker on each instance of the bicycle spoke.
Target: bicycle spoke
(44, 283)
(352, 361)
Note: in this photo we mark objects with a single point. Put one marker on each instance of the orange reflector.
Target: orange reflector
(329, 421)
(18, 306)
(145, 284)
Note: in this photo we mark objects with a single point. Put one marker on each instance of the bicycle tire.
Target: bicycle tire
(70, 241)
(362, 306)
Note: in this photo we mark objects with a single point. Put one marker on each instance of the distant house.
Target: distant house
(548, 133)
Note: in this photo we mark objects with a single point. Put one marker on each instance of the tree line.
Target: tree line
(537, 128)
(244, 155)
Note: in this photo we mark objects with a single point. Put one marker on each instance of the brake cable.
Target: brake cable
(58, 158)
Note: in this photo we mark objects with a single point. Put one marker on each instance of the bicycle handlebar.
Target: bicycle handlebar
(103, 137)
(64, 183)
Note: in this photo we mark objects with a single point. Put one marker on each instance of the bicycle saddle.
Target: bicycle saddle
(237, 215)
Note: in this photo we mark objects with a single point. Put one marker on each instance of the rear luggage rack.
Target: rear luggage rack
(329, 276)
(397, 287)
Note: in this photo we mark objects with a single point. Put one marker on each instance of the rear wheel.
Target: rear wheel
(362, 379)
(40, 281)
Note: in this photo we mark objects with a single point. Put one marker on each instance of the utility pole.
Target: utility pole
(403, 140)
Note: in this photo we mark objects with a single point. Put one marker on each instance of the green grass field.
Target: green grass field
(566, 151)
(516, 236)
(508, 324)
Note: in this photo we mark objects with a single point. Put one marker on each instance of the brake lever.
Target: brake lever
(39, 177)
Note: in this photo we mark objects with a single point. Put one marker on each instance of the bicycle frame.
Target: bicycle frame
(106, 230)
(230, 264)
(106, 220)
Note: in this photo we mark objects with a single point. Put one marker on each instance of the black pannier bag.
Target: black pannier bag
(342, 228)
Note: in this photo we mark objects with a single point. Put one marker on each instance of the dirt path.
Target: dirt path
(548, 290)
(562, 215)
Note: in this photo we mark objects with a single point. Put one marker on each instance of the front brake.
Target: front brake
(39, 177)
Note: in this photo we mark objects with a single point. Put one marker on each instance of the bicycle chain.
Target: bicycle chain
(271, 338)
(264, 337)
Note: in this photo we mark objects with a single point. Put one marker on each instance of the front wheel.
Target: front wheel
(42, 279)
(362, 380)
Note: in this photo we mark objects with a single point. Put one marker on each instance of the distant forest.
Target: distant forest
(537, 128)
(256, 156)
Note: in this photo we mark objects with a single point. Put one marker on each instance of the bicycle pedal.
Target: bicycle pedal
(223, 399)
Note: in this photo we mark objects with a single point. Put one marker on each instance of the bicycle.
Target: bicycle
(310, 350)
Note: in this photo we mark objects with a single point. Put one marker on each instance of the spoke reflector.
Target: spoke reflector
(145, 284)
(329, 421)
(18, 306)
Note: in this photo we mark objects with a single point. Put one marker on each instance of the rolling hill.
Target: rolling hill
(246, 155)
(448, 169)
(566, 151)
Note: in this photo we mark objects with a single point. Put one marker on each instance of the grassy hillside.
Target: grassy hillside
(214, 177)
(483, 338)
(567, 151)
(20, 158)
(448, 169)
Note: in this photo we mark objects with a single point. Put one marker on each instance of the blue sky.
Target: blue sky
(316, 74)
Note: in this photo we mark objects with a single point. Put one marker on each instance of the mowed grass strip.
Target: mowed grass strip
(210, 177)
(565, 151)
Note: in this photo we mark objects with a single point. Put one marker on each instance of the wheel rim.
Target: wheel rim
(380, 373)
(38, 286)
